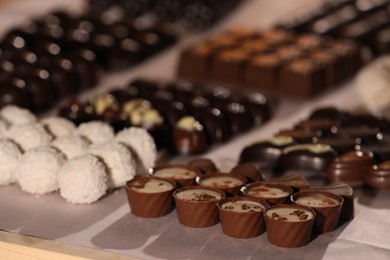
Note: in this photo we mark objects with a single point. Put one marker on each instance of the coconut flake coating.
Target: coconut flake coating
(9, 157)
(58, 126)
(142, 145)
(15, 115)
(38, 169)
(29, 136)
(83, 179)
(119, 161)
(96, 132)
(72, 145)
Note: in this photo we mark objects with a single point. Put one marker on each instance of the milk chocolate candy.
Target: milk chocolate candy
(306, 157)
(261, 72)
(227, 66)
(332, 64)
(288, 53)
(195, 61)
(183, 175)
(273, 193)
(276, 36)
(345, 191)
(378, 176)
(265, 152)
(196, 206)
(350, 55)
(242, 217)
(150, 197)
(205, 165)
(230, 183)
(350, 167)
(289, 225)
(250, 171)
(302, 78)
(295, 181)
(326, 205)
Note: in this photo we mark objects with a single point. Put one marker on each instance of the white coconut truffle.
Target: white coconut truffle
(83, 179)
(29, 136)
(141, 144)
(58, 126)
(3, 128)
(15, 115)
(38, 169)
(72, 145)
(121, 166)
(9, 157)
(96, 132)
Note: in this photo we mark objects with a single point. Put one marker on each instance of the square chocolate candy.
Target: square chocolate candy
(302, 78)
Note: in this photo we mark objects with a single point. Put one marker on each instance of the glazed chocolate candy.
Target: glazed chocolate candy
(205, 165)
(265, 152)
(250, 171)
(378, 176)
(350, 167)
(299, 135)
(295, 181)
(306, 157)
(189, 136)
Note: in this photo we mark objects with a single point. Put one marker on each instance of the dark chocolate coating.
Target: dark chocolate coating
(378, 176)
(250, 171)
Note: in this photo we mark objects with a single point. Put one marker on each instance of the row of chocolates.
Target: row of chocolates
(331, 143)
(61, 54)
(276, 61)
(245, 206)
(182, 116)
(192, 14)
(367, 21)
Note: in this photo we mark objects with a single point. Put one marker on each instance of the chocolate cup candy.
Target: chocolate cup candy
(150, 204)
(198, 213)
(230, 183)
(289, 233)
(242, 224)
(182, 174)
(295, 181)
(327, 217)
(284, 198)
(345, 191)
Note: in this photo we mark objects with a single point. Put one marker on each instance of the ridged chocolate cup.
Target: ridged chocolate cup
(150, 205)
(242, 224)
(293, 180)
(327, 218)
(230, 191)
(288, 233)
(182, 182)
(197, 214)
(272, 201)
(250, 171)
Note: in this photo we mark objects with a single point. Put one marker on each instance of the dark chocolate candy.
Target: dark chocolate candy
(331, 113)
(363, 133)
(325, 126)
(250, 171)
(306, 157)
(261, 72)
(238, 117)
(300, 135)
(341, 144)
(12, 93)
(205, 165)
(258, 107)
(265, 152)
(189, 136)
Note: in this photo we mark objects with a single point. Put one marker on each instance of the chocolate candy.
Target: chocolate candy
(350, 167)
(306, 157)
(378, 177)
(250, 171)
(344, 190)
(293, 180)
(265, 152)
(189, 136)
(205, 165)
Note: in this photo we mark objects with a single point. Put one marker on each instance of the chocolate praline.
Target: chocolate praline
(323, 125)
(299, 135)
(258, 107)
(306, 157)
(189, 136)
(331, 113)
(295, 181)
(378, 176)
(342, 145)
(365, 134)
(265, 152)
(238, 117)
(250, 171)
(205, 165)
(350, 167)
